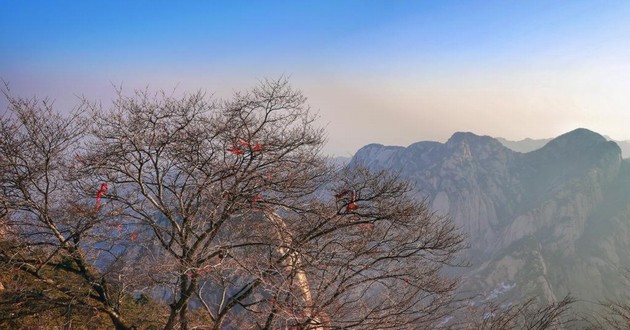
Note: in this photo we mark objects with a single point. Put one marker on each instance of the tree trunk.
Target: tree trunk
(119, 324)
(293, 261)
(180, 308)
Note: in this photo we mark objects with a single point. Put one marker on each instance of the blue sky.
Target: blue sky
(393, 72)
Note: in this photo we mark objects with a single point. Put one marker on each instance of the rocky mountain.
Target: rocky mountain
(548, 222)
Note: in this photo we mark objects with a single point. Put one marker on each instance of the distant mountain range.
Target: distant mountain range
(549, 219)
(527, 145)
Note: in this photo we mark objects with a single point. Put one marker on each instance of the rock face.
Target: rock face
(548, 222)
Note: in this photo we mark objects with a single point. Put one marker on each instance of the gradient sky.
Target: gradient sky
(392, 72)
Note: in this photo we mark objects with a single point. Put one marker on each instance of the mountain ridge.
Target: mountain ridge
(529, 144)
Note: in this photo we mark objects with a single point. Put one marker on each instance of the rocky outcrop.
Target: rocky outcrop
(551, 221)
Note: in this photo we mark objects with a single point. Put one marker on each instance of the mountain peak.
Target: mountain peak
(582, 134)
(474, 141)
(460, 136)
(578, 150)
(576, 140)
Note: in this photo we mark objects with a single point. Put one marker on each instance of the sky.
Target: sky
(389, 72)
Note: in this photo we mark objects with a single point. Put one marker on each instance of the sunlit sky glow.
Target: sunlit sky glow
(393, 72)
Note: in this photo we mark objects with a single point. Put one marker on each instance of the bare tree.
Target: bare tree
(52, 236)
(225, 210)
(243, 211)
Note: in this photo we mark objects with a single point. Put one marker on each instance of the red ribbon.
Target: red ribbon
(100, 193)
(353, 198)
(256, 199)
(235, 150)
(253, 147)
(257, 147)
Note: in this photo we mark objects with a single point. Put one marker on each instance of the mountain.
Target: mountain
(543, 223)
(527, 145)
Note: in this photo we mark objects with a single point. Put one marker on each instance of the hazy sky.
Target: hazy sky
(393, 72)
